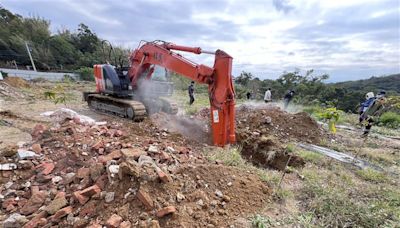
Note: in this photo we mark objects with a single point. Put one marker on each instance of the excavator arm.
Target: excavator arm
(218, 78)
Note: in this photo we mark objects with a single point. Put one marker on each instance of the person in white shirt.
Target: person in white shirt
(267, 96)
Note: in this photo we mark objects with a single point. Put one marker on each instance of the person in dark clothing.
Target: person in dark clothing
(248, 95)
(191, 93)
(288, 97)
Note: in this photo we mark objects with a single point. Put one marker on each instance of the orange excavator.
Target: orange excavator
(131, 93)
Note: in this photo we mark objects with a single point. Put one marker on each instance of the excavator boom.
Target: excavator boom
(218, 78)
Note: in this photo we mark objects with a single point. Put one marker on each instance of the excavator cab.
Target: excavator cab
(110, 80)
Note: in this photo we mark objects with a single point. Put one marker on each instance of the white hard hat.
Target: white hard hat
(369, 95)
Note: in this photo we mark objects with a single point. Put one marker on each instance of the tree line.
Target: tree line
(311, 89)
(65, 50)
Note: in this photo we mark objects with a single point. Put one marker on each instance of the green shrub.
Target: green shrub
(390, 119)
(86, 73)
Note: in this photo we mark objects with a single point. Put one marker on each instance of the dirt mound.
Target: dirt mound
(17, 82)
(273, 121)
(264, 133)
(191, 128)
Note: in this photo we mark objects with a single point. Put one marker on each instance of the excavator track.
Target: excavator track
(168, 106)
(125, 108)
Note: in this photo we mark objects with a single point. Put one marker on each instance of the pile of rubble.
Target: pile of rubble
(265, 132)
(79, 174)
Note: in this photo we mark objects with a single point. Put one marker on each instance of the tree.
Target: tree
(244, 78)
(85, 40)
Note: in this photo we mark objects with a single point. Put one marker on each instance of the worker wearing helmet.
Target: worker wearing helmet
(369, 98)
(373, 111)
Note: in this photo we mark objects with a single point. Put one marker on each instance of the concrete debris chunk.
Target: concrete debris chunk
(179, 197)
(26, 154)
(56, 205)
(8, 166)
(63, 114)
(15, 220)
(109, 197)
(219, 193)
(56, 179)
(170, 149)
(144, 159)
(8, 184)
(153, 149)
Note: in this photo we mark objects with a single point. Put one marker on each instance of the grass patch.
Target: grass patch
(310, 156)
(385, 131)
(271, 177)
(336, 202)
(182, 99)
(258, 221)
(372, 175)
(229, 156)
(281, 194)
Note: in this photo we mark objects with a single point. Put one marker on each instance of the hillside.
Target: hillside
(390, 83)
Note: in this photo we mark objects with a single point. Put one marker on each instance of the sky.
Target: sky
(347, 39)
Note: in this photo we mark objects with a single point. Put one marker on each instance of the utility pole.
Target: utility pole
(30, 56)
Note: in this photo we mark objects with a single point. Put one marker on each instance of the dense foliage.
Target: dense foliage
(65, 50)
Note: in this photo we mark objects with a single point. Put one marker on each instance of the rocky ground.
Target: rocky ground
(65, 171)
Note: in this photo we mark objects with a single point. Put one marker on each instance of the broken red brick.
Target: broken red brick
(145, 198)
(10, 208)
(42, 222)
(92, 190)
(98, 145)
(165, 211)
(163, 176)
(33, 223)
(114, 221)
(61, 213)
(38, 130)
(164, 156)
(94, 225)
(34, 203)
(125, 224)
(60, 194)
(133, 153)
(102, 181)
(118, 133)
(34, 189)
(83, 173)
(11, 201)
(37, 148)
(81, 199)
(88, 210)
(116, 154)
(48, 167)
